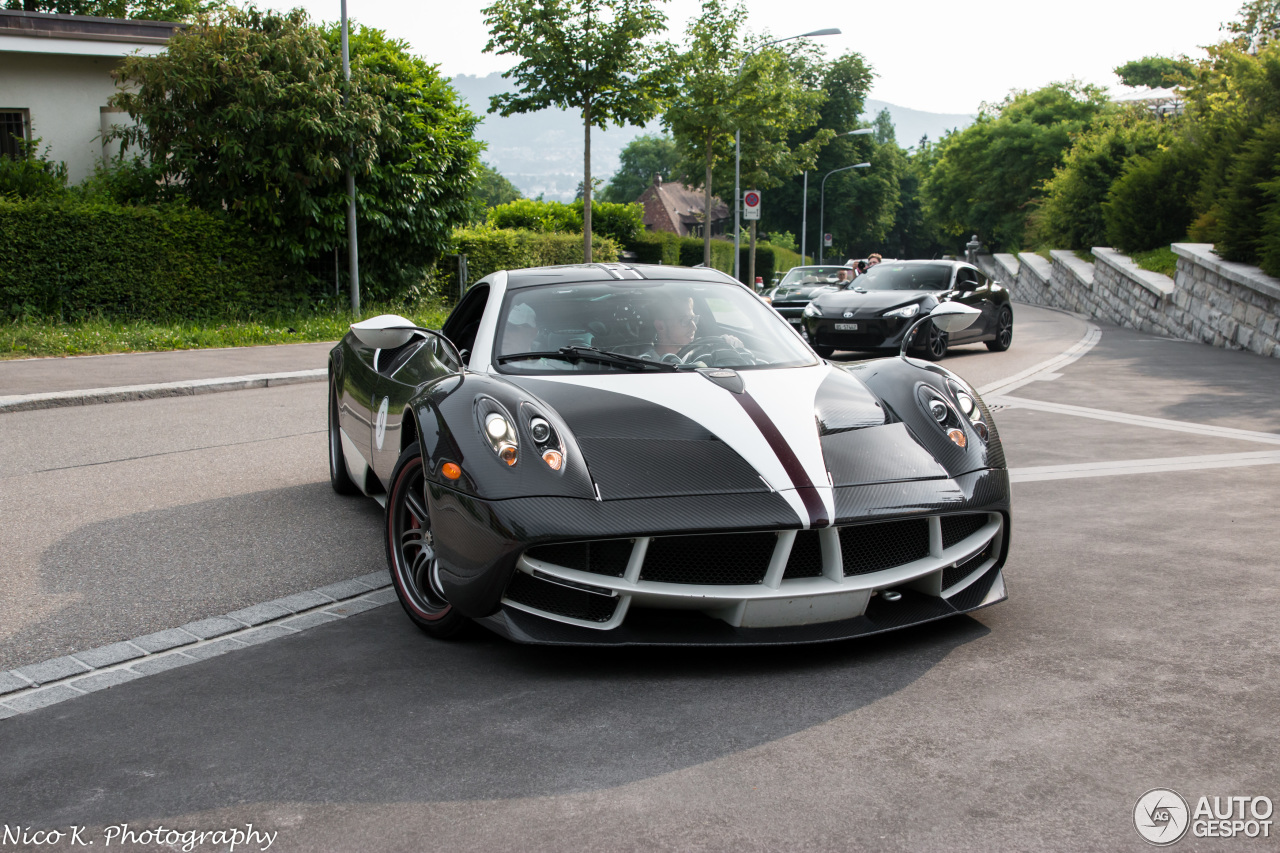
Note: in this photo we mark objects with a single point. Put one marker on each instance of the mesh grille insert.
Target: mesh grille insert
(553, 598)
(956, 528)
(869, 548)
(741, 558)
(954, 574)
(605, 557)
(806, 556)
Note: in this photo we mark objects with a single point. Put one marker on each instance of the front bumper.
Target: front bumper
(872, 332)
(728, 577)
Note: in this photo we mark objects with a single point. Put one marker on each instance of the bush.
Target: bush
(1150, 205)
(491, 249)
(68, 261)
(656, 247)
(621, 223)
(32, 175)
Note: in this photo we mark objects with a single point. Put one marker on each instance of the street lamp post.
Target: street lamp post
(804, 205)
(737, 146)
(353, 255)
(822, 205)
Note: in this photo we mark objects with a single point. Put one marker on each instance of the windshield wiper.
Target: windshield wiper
(574, 353)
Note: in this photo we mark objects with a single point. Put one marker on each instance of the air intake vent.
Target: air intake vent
(870, 548)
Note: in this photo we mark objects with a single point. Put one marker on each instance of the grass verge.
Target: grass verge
(1163, 261)
(27, 338)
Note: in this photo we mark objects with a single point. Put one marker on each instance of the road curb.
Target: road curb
(186, 388)
(39, 685)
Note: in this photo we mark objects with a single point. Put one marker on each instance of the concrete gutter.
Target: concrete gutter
(125, 393)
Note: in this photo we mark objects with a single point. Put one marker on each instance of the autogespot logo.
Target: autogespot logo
(1161, 816)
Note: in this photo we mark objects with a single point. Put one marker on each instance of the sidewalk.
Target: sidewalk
(79, 373)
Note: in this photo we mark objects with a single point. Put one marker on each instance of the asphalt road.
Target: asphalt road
(1137, 650)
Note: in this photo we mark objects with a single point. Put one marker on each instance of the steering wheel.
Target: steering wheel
(715, 351)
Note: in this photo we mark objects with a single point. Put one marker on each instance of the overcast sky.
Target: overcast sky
(945, 57)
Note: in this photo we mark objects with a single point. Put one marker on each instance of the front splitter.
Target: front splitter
(683, 628)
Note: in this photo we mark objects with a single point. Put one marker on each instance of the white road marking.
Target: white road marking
(1143, 466)
(1045, 369)
(1137, 420)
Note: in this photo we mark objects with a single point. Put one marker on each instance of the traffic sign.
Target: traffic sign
(751, 204)
(826, 239)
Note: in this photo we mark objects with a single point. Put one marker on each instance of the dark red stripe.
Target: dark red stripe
(790, 463)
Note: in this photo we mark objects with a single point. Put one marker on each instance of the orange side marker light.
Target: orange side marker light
(451, 470)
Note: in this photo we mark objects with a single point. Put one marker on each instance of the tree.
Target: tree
(490, 190)
(585, 55)
(1258, 25)
(1156, 71)
(780, 97)
(142, 10)
(642, 158)
(704, 112)
(989, 175)
(245, 112)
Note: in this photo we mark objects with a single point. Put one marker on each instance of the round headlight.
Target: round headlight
(496, 426)
(541, 430)
(966, 404)
(938, 409)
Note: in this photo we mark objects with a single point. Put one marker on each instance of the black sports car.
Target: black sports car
(801, 284)
(612, 454)
(876, 309)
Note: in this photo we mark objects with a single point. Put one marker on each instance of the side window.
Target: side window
(966, 279)
(14, 126)
(464, 322)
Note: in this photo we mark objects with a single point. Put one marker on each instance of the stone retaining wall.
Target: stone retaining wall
(1229, 305)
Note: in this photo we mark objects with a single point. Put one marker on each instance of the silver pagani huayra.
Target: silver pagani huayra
(609, 454)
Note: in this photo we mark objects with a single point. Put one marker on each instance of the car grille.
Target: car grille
(806, 556)
(954, 574)
(957, 528)
(872, 547)
(560, 600)
(716, 559)
(603, 557)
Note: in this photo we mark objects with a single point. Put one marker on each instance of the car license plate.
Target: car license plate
(795, 321)
(846, 327)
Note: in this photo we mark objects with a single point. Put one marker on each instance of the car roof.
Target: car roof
(614, 272)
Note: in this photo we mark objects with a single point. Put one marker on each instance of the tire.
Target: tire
(824, 352)
(338, 476)
(410, 554)
(935, 342)
(1004, 331)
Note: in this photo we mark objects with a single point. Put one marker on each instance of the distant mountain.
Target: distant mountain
(541, 153)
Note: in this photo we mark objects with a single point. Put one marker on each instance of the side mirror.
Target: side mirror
(966, 286)
(953, 316)
(386, 331)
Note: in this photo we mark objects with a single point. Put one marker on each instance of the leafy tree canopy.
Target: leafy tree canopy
(642, 158)
(1156, 71)
(584, 55)
(246, 112)
(1257, 26)
(490, 190)
(988, 174)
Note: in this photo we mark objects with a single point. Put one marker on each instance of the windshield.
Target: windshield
(809, 276)
(610, 327)
(888, 276)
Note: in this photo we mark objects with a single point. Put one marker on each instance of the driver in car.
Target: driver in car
(676, 327)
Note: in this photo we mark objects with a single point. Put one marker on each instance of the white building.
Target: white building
(56, 78)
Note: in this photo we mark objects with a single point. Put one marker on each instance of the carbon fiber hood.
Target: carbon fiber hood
(873, 302)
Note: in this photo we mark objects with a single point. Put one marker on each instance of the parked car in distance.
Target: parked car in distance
(802, 284)
(876, 309)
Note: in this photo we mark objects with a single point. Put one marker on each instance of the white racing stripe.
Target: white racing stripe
(787, 397)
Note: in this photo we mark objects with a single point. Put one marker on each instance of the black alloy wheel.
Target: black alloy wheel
(1004, 331)
(935, 342)
(338, 476)
(411, 551)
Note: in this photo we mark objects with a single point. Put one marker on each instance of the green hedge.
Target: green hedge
(67, 261)
(663, 247)
(490, 249)
(622, 223)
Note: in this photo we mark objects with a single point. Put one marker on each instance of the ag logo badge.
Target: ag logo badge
(1161, 816)
(380, 431)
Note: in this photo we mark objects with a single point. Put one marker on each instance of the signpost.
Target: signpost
(826, 239)
(751, 204)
